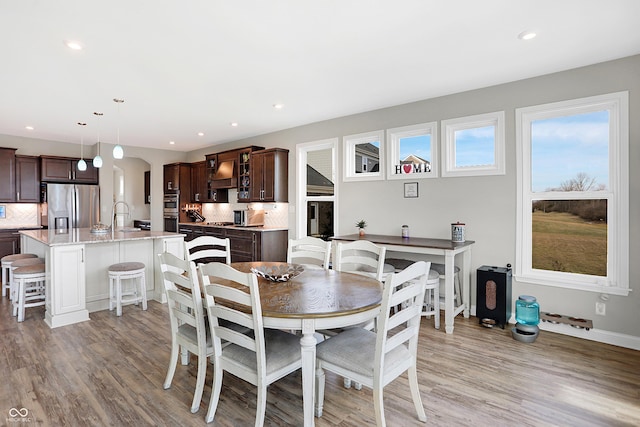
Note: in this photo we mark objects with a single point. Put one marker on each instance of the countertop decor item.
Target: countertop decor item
(361, 226)
(278, 273)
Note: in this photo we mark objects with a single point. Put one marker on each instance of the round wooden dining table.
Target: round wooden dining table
(317, 299)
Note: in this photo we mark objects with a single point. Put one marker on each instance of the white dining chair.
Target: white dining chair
(374, 359)
(260, 357)
(361, 257)
(187, 318)
(311, 252)
(208, 249)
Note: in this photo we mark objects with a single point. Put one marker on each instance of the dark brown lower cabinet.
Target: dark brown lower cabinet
(247, 244)
(253, 245)
(9, 242)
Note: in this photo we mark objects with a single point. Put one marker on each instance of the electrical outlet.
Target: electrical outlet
(601, 308)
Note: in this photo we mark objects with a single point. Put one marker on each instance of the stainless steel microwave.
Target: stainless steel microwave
(248, 218)
(170, 205)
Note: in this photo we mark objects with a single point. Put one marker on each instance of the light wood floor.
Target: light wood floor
(109, 371)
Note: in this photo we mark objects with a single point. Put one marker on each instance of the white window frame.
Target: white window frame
(451, 126)
(349, 143)
(301, 181)
(394, 135)
(617, 195)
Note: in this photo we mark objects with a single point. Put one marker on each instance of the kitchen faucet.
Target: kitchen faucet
(114, 214)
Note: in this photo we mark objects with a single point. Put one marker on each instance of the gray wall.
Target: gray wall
(486, 204)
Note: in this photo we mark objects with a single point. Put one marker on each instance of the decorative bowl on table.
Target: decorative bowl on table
(278, 273)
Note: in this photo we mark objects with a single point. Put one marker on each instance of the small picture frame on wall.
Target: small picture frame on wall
(3, 211)
(410, 190)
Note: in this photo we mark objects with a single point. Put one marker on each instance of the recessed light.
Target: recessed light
(72, 44)
(200, 133)
(172, 142)
(234, 124)
(278, 106)
(527, 35)
(29, 127)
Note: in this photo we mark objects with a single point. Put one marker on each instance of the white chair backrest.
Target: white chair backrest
(216, 279)
(309, 251)
(361, 257)
(184, 297)
(205, 249)
(405, 289)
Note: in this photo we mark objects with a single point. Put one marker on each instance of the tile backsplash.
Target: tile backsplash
(276, 214)
(20, 215)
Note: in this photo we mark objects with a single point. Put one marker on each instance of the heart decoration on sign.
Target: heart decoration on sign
(406, 168)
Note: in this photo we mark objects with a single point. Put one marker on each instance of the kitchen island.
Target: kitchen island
(77, 261)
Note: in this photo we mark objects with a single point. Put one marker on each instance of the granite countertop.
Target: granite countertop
(21, 227)
(76, 236)
(233, 227)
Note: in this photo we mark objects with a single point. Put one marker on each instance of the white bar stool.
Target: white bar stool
(135, 294)
(431, 305)
(13, 289)
(456, 281)
(7, 260)
(30, 285)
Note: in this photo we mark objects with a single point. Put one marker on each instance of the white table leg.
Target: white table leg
(308, 349)
(465, 281)
(449, 259)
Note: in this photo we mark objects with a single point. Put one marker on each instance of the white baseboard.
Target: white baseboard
(599, 335)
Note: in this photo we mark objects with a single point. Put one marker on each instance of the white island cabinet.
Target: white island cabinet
(77, 262)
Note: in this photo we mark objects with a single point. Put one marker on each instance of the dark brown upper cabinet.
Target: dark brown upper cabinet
(65, 170)
(269, 175)
(8, 174)
(27, 179)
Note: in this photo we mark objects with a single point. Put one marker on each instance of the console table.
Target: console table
(442, 247)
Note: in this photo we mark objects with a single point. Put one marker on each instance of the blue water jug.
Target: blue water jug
(527, 310)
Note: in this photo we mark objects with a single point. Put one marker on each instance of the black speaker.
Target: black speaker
(493, 295)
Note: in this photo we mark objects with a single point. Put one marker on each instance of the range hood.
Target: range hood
(225, 176)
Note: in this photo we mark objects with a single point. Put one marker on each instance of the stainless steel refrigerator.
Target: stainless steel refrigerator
(72, 206)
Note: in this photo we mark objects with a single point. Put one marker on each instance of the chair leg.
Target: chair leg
(202, 373)
(261, 404)
(378, 406)
(143, 292)
(215, 392)
(4, 282)
(415, 393)
(118, 297)
(436, 306)
(172, 365)
(320, 380)
(20, 300)
(347, 382)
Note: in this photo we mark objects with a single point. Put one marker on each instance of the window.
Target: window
(573, 194)
(316, 192)
(413, 151)
(474, 145)
(364, 156)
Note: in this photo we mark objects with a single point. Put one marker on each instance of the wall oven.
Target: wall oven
(171, 211)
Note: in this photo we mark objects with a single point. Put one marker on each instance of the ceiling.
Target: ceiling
(185, 67)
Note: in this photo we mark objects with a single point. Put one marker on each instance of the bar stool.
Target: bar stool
(30, 284)
(135, 294)
(13, 285)
(431, 304)
(6, 268)
(456, 281)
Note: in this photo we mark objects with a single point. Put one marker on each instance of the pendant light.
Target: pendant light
(118, 152)
(82, 165)
(97, 160)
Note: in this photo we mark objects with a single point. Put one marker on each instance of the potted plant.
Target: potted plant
(361, 225)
